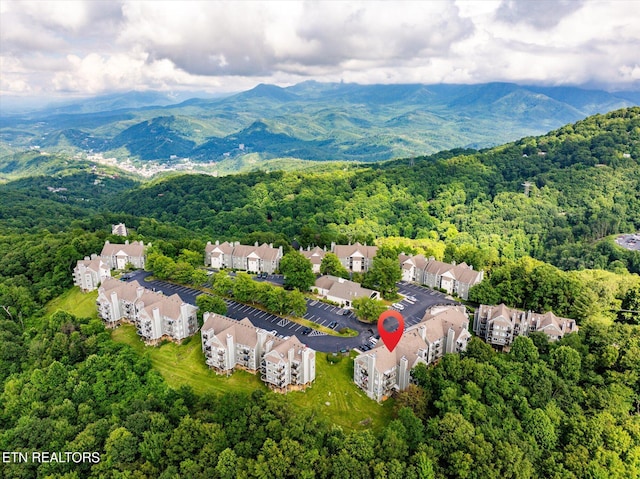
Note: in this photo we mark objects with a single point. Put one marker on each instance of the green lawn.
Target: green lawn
(348, 405)
(82, 305)
(182, 364)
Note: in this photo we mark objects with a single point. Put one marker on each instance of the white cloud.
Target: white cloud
(97, 46)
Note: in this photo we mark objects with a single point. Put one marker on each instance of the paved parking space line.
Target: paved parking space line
(299, 326)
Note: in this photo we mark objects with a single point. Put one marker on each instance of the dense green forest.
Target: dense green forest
(564, 410)
(585, 183)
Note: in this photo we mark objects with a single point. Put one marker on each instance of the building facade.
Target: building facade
(90, 272)
(283, 364)
(155, 316)
(342, 291)
(380, 372)
(253, 259)
(453, 278)
(500, 325)
(117, 256)
(357, 258)
(315, 257)
(119, 230)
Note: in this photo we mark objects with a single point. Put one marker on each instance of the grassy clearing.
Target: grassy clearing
(348, 406)
(184, 364)
(82, 305)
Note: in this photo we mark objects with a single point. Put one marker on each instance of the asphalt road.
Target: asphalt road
(318, 312)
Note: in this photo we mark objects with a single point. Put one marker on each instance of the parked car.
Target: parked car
(398, 306)
(333, 325)
(305, 331)
(412, 298)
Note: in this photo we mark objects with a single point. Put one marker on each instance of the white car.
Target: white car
(398, 306)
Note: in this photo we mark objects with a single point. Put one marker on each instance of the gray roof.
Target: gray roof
(136, 248)
(346, 251)
(343, 288)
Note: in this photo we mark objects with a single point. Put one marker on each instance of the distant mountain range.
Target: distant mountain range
(308, 121)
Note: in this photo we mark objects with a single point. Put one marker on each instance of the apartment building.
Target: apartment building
(500, 325)
(453, 278)
(90, 272)
(315, 257)
(119, 230)
(357, 258)
(117, 256)
(254, 259)
(155, 316)
(283, 364)
(380, 372)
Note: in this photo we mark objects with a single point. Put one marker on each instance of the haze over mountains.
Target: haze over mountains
(307, 121)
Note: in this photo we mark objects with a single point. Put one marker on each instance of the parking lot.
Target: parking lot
(317, 311)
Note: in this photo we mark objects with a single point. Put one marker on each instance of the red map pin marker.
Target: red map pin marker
(391, 338)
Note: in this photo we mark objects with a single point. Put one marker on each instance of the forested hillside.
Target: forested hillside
(585, 180)
(564, 410)
(309, 121)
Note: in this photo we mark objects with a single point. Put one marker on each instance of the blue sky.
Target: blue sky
(76, 48)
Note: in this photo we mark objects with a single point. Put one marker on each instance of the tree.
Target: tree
(331, 265)
(524, 350)
(368, 309)
(182, 272)
(162, 266)
(227, 464)
(194, 258)
(121, 447)
(244, 288)
(383, 276)
(199, 277)
(211, 304)
(297, 271)
(566, 361)
(297, 303)
(630, 309)
(222, 284)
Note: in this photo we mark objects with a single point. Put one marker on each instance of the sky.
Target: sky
(82, 48)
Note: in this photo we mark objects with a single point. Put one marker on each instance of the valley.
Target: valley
(551, 247)
(310, 121)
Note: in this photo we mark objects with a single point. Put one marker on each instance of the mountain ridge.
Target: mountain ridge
(317, 121)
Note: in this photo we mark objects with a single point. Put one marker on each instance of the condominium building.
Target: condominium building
(90, 272)
(117, 256)
(155, 315)
(288, 365)
(315, 257)
(380, 372)
(283, 364)
(254, 259)
(453, 278)
(500, 325)
(357, 258)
